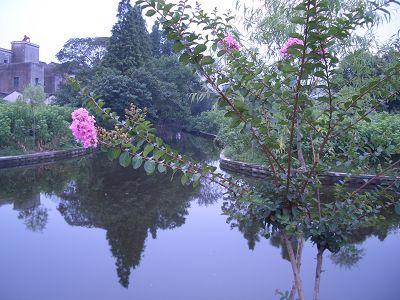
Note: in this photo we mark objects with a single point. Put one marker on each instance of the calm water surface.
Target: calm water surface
(89, 229)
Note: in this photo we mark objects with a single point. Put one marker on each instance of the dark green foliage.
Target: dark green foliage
(78, 54)
(119, 90)
(381, 136)
(358, 68)
(129, 45)
(209, 121)
(69, 94)
(135, 67)
(155, 38)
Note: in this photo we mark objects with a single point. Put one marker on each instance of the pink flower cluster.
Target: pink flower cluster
(290, 42)
(83, 128)
(230, 42)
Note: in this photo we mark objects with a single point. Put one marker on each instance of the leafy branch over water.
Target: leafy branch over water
(291, 100)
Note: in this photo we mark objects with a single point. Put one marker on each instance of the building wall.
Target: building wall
(5, 55)
(52, 79)
(24, 52)
(36, 74)
(26, 72)
(23, 63)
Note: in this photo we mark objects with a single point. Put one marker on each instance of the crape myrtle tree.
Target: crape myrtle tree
(268, 23)
(295, 102)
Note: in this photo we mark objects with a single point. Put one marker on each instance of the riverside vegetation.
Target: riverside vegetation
(28, 125)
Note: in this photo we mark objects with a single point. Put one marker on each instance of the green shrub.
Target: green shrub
(376, 141)
(209, 121)
(239, 146)
(31, 128)
(382, 134)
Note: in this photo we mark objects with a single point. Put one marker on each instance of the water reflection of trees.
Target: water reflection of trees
(248, 219)
(97, 193)
(23, 187)
(129, 206)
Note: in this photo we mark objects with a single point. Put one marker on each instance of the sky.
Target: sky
(50, 23)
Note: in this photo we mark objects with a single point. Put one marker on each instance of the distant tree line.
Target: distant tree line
(132, 66)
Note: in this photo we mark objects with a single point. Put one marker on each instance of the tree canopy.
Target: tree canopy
(132, 66)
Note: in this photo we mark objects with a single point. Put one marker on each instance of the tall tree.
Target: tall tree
(160, 45)
(129, 45)
(155, 38)
(83, 53)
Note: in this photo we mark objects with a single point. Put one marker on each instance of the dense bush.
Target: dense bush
(209, 121)
(239, 146)
(379, 139)
(30, 128)
(382, 135)
(236, 145)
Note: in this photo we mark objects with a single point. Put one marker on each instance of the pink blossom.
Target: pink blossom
(290, 42)
(230, 42)
(83, 128)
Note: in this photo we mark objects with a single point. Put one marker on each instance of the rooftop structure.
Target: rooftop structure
(20, 67)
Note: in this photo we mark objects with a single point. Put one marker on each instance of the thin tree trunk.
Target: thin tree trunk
(298, 259)
(318, 272)
(34, 127)
(319, 202)
(300, 155)
(295, 267)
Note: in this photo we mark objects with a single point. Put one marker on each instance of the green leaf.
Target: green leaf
(124, 159)
(103, 148)
(298, 20)
(147, 149)
(159, 141)
(207, 60)
(137, 162)
(199, 48)
(397, 208)
(196, 179)
(113, 153)
(158, 154)
(235, 122)
(150, 12)
(221, 52)
(184, 178)
(184, 58)
(178, 47)
(149, 166)
(161, 168)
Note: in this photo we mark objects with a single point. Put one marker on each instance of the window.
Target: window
(5, 61)
(36, 81)
(16, 83)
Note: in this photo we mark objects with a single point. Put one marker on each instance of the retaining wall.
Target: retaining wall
(42, 157)
(329, 178)
(202, 134)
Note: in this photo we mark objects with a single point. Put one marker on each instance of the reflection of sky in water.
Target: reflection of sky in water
(195, 254)
(203, 259)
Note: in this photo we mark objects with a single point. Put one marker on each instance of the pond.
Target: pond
(90, 229)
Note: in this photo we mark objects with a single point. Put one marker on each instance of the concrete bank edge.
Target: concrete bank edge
(41, 157)
(329, 178)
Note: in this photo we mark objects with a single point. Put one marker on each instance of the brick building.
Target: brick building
(20, 67)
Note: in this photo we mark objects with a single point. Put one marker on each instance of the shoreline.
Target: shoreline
(41, 157)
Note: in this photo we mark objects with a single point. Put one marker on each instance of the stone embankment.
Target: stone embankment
(42, 157)
(329, 178)
(202, 134)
